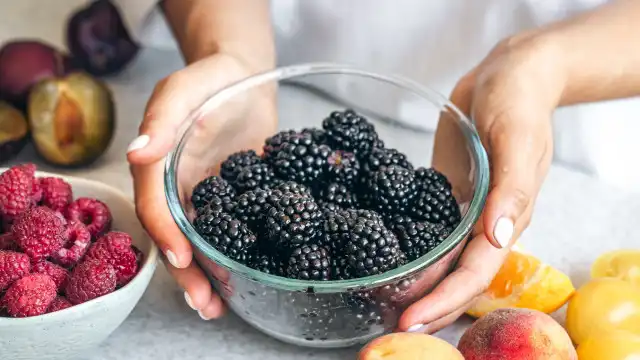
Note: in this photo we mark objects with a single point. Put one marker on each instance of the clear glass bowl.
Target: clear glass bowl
(330, 313)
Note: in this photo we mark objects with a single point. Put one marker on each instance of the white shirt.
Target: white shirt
(435, 42)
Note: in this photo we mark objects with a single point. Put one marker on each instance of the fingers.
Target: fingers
(515, 129)
(476, 268)
(173, 100)
(152, 210)
(197, 291)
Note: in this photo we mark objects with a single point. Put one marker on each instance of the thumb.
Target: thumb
(518, 140)
(173, 101)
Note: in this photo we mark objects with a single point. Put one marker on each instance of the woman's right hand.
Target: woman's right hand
(172, 101)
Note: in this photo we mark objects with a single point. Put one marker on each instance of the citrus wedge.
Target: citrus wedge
(621, 264)
(524, 282)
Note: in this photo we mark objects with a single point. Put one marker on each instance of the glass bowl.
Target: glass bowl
(327, 314)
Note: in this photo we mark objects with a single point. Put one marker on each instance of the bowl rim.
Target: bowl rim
(149, 263)
(459, 234)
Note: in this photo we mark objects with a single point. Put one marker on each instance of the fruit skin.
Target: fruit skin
(39, 232)
(16, 186)
(417, 237)
(98, 39)
(623, 264)
(89, 280)
(72, 119)
(25, 62)
(392, 189)
(291, 187)
(13, 266)
(115, 249)
(227, 235)
(236, 162)
(13, 131)
(56, 193)
(435, 202)
(614, 345)
(59, 303)
(602, 305)
(384, 157)
(351, 132)
(299, 159)
(372, 249)
(29, 296)
(206, 190)
(252, 207)
(343, 168)
(253, 177)
(524, 281)
(512, 334)
(58, 274)
(293, 220)
(309, 262)
(93, 213)
(409, 346)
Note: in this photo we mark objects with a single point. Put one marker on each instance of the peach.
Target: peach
(409, 346)
(516, 334)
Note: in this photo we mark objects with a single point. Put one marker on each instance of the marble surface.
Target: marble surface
(576, 218)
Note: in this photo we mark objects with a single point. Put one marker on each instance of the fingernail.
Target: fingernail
(173, 259)
(202, 316)
(418, 328)
(503, 231)
(187, 299)
(138, 143)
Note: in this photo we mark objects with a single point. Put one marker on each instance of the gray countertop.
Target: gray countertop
(576, 218)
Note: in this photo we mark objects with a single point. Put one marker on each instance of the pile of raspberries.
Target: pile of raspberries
(56, 251)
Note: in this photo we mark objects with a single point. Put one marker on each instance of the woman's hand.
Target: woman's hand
(510, 96)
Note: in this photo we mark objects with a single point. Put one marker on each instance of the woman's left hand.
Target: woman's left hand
(510, 96)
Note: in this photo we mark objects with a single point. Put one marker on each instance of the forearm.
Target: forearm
(238, 27)
(600, 53)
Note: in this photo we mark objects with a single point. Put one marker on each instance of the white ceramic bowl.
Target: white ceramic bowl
(73, 332)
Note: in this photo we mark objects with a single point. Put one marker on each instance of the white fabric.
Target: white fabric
(435, 42)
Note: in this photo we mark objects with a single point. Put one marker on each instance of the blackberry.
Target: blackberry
(436, 204)
(417, 237)
(372, 249)
(217, 206)
(340, 269)
(431, 176)
(300, 159)
(351, 132)
(342, 167)
(337, 194)
(318, 135)
(384, 157)
(236, 162)
(210, 187)
(354, 215)
(392, 189)
(267, 264)
(254, 176)
(328, 208)
(293, 220)
(309, 262)
(336, 228)
(227, 235)
(273, 144)
(292, 187)
(251, 208)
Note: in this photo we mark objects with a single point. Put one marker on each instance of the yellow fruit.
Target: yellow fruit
(616, 345)
(603, 305)
(524, 282)
(621, 264)
(409, 346)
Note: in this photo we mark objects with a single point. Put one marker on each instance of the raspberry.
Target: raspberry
(90, 279)
(57, 273)
(56, 193)
(13, 266)
(30, 296)
(76, 243)
(36, 193)
(16, 187)
(93, 213)
(39, 232)
(59, 303)
(7, 242)
(115, 249)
